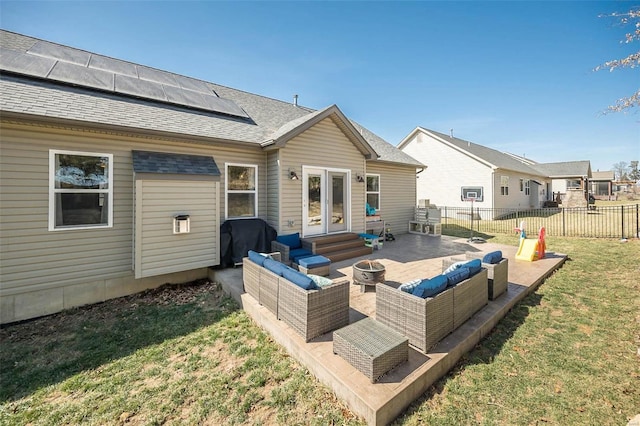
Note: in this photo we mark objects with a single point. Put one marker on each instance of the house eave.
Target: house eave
(40, 120)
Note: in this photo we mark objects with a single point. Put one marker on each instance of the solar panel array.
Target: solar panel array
(63, 64)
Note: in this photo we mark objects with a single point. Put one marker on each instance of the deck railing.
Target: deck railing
(620, 221)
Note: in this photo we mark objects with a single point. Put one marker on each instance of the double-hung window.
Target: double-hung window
(573, 184)
(373, 191)
(504, 185)
(241, 189)
(527, 187)
(80, 190)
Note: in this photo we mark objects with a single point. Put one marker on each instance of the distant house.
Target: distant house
(116, 177)
(601, 185)
(569, 180)
(457, 169)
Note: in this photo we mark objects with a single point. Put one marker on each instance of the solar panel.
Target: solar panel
(83, 76)
(141, 88)
(116, 66)
(19, 62)
(193, 84)
(151, 74)
(225, 106)
(62, 53)
(54, 62)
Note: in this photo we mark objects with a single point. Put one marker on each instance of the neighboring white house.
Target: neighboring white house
(457, 168)
(500, 180)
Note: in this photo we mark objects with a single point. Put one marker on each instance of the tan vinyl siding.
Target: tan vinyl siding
(324, 146)
(397, 194)
(272, 188)
(160, 251)
(33, 257)
(36, 261)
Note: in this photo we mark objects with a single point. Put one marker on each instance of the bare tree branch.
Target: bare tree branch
(631, 61)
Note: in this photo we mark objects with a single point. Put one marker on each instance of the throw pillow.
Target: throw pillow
(408, 287)
(493, 257)
(274, 266)
(321, 281)
(430, 287)
(457, 276)
(300, 279)
(454, 266)
(291, 240)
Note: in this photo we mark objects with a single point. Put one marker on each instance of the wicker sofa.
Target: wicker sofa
(427, 321)
(498, 273)
(311, 313)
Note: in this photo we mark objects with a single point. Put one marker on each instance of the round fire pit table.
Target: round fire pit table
(368, 273)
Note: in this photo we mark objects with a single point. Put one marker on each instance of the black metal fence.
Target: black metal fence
(621, 221)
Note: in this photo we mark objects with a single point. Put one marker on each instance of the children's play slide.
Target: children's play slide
(531, 249)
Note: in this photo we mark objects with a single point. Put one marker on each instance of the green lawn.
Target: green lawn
(567, 354)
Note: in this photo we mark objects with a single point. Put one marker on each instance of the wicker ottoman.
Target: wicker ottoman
(371, 347)
(317, 265)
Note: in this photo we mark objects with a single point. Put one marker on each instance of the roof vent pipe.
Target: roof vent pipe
(295, 100)
(451, 133)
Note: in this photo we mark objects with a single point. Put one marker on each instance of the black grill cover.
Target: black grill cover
(238, 236)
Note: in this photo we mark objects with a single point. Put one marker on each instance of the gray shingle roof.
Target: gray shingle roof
(608, 175)
(20, 94)
(489, 155)
(386, 151)
(181, 164)
(565, 169)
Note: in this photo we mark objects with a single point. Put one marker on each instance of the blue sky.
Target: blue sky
(514, 76)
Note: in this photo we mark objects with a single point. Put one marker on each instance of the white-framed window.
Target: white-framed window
(241, 189)
(574, 183)
(373, 191)
(527, 187)
(504, 185)
(80, 190)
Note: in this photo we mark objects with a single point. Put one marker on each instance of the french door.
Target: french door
(325, 201)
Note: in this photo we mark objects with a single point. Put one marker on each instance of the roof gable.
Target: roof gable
(295, 127)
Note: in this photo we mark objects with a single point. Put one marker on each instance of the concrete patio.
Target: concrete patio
(409, 257)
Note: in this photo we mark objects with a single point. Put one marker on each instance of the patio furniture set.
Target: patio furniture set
(419, 313)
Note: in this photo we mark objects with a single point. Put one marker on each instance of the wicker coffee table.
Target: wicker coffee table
(371, 347)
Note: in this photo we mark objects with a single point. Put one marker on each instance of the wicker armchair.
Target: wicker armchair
(312, 313)
(285, 250)
(498, 273)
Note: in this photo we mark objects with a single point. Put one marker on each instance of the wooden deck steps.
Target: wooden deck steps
(340, 246)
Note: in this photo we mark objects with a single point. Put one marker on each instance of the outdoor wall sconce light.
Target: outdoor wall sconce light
(293, 175)
(359, 178)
